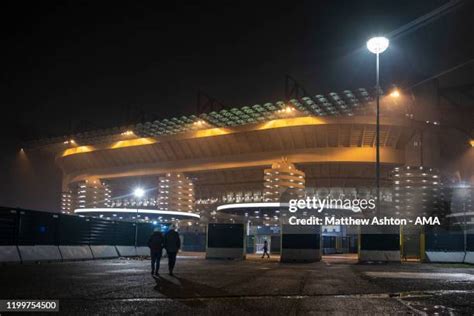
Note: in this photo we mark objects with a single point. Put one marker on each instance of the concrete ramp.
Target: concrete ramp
(126, 251)
(103, 252)
(9, 254)
(76, 252)
(39, 253)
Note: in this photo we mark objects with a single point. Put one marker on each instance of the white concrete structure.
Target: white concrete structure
(39, 253)
(9, 254)
(75, 252)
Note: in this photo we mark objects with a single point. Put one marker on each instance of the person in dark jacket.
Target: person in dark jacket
(265, 249)
(172, 245)
(155, 243)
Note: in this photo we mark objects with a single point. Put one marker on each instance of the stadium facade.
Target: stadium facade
(322, 145)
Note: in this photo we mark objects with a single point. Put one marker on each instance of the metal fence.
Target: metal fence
(25, 227)
(449, 240)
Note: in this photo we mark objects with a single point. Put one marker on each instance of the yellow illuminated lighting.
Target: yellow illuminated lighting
(211, 132)
(133, 142)
(472, 143)
(127, 133)
(395, 93)
(287, 110)
(199, 123)
(296, 121)
(77, 150)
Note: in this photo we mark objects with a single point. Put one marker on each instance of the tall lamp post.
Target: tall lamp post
(138, 193)
(377, 45)
(463, 192)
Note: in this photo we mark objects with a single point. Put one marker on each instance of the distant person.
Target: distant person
(265, 249)
(155, 243)
(172, 245)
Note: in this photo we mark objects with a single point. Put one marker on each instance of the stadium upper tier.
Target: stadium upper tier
(323, 129)
(305, 139)
(347, 103)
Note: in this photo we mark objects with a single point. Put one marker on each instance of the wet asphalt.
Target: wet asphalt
(337, 285)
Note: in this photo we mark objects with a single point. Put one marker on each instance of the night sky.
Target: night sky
(74, 66)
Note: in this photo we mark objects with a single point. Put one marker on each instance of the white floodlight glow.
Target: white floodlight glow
(377, 45)
(250, 205)
(138, 192)
(135, 211)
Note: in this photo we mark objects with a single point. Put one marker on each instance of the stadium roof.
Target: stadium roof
(347, 103)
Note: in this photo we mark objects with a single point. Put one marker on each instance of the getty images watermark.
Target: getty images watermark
(354, 205)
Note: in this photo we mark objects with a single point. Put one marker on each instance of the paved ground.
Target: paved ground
(256, 286)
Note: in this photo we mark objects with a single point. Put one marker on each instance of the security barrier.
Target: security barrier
(9, 254)
(225, 241)
(300, 243)
(379, 244)
(449, 246)
(27, 235)
(75, 252)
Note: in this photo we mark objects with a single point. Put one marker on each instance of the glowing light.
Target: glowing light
(138, 192)
(472, 143)
(377, 45)
(133, 142)
(288, 122)
(78, 150)
(134, 211)
(199, 123)
(395, 93)
(250, 205)
(211, 132)
(127, 133)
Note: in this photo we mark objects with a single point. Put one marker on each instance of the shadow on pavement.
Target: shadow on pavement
(180, 288)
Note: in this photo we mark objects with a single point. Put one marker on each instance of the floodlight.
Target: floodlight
(138, 192)
(395, 93)
(377, 45)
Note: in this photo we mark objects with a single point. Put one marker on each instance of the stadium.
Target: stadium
(236, 166)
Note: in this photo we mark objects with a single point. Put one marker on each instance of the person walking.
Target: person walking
(172, 245)
(155, 243)
(265, 249)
